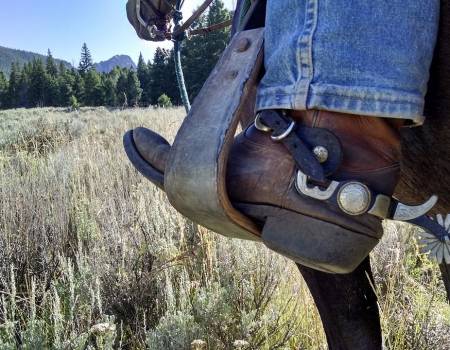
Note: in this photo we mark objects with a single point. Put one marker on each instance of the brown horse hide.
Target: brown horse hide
(426, 149)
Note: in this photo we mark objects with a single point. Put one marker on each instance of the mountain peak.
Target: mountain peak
(122, 61)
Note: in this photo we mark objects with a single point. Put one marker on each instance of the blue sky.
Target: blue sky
(63, 26)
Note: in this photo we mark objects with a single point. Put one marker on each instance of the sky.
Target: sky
(64, 25)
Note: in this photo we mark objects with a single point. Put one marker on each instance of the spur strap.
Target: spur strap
(316, 151)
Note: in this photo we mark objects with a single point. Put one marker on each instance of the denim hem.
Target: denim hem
(353, 100)
(305, 50)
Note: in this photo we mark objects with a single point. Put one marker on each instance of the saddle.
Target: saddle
(193, 171)
(151, 18)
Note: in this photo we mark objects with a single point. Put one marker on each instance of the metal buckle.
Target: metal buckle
(260, 125)
(315, 192)
(285, 133)
(264, 128)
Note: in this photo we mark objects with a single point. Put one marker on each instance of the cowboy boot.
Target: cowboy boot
(262, 183)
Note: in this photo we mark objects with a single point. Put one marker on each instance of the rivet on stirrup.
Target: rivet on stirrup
(285, 133)
(260, 125)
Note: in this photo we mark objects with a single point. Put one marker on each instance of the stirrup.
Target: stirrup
(194, 177)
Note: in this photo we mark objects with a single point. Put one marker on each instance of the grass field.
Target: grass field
(93, 256)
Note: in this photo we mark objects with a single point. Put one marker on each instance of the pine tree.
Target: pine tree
(158, 74)
(134, 91)
(78, 86)
(86, 62)
(65, 83)
(217, 40)
(109, 90)
(93, 89)
(51, 98)
(24, 85)
(50, 65)
(3, 90)
(121, 88)
(143, 76)
(193, 54)
(51, 91)
(37, 91)
(62, 69)
(217, 13)
(201, 53)
(12, 94)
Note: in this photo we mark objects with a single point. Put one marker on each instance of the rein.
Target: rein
(159, 29)
(177, 17)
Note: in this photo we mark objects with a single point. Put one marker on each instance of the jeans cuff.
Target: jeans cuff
(353, 100)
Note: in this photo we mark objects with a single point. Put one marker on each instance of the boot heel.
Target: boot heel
(314, 243)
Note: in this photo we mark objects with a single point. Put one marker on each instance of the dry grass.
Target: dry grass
(92, 255)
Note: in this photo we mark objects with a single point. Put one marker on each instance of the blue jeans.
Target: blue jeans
(360, 57)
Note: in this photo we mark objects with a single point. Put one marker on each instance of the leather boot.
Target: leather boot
(371, 146)
(261, 183)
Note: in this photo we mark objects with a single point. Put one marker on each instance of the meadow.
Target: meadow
(92, 256)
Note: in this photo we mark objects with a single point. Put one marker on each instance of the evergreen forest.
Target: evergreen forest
(47, 83)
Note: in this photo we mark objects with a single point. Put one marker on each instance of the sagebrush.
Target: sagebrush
(93, 256)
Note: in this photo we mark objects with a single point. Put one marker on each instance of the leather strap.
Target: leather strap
(355, 198)
(302, 154)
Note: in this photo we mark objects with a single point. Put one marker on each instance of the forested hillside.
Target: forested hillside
(9, 56)
(45, 82)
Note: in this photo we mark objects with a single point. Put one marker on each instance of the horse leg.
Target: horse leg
(347, 306)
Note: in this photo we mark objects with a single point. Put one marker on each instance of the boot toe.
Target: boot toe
(152, 147)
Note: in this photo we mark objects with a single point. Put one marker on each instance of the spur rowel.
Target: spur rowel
(148, 152)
